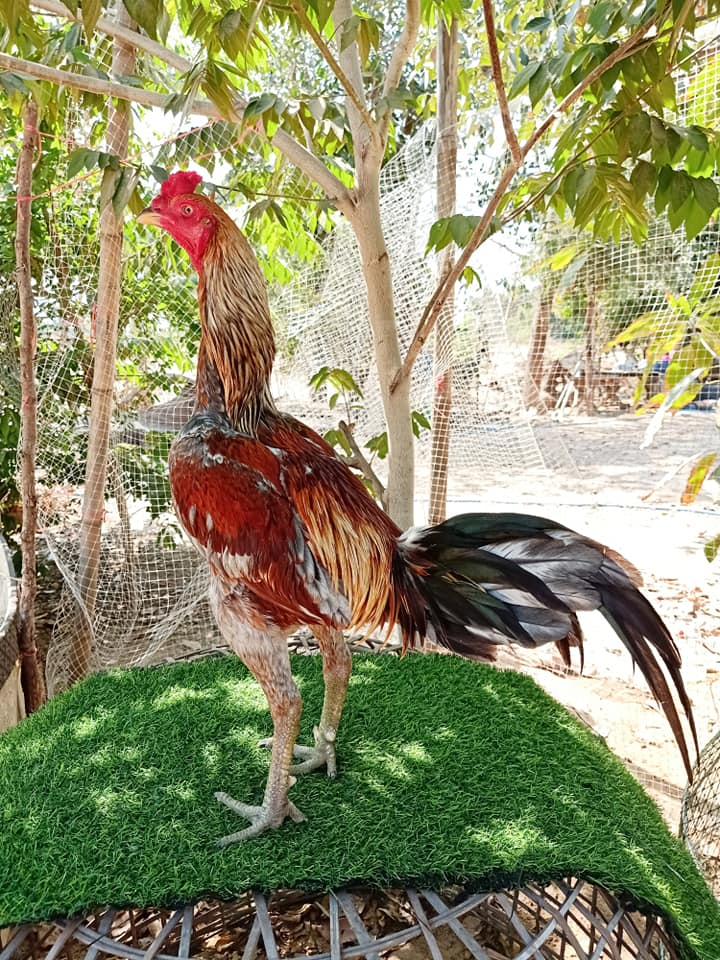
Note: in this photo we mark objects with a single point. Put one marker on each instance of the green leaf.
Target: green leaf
(462, 227)
(601, 17)
(704, 280)
(336, 438)
(470, 275)
(638, 130)
(419, 422)
(643, 178)
(641, 327)
(108, 186)
(658, 135)
(564, 256)
(76, 163)
(696, 219)
(136, 204)
(697, 138)
(91, 10)
(12, 83)
(368, 38)
(712, 548)
(319, 378)
(72, 37)
(147, 14)
(345, 381)
(680, 189)
(440, 235)
(539, 82)
(231, 31)
(349, 32)
(523, 78)
(570, 183)
(706, 194)
(378, 445)
(124, 190)
(585, 181)
(538, 24)
(259, 105)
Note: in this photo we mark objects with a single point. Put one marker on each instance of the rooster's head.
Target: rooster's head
(190, 218)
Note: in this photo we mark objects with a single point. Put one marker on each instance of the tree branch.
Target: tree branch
(400, 56)
(442, 290)
(119, 32)
(106, 88)
(361, 463)
(33, 684)
(294, 151)
(510, 135)
(348, 86)
(624, 50)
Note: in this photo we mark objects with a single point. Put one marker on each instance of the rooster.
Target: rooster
(293, 538)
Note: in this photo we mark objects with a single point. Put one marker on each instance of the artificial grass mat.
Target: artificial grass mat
(449, 771)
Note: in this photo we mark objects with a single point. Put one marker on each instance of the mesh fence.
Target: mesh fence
(151, 593)
(151, 587)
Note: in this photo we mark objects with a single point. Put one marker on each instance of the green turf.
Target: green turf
(449, 771)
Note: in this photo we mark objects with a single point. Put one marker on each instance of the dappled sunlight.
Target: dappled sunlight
(447, 770)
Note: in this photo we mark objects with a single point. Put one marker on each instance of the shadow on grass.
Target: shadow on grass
(449, 771)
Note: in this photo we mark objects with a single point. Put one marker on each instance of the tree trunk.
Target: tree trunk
(381, 310)
(108, 308)
(447, 72)
(31, 673)
(365, 220)
(589, 372)
(532, 387)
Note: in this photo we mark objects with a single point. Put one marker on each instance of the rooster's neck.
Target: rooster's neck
(238, 344)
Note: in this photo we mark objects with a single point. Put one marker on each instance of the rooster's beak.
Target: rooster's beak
(149, 216)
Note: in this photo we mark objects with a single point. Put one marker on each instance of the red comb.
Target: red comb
(184, 181)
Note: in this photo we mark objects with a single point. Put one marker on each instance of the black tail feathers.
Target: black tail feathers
(480, 580)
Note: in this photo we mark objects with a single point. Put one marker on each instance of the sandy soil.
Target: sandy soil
(616, 495)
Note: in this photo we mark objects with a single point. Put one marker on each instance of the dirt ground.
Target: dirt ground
(617, 492)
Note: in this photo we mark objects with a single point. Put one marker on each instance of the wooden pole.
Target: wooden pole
(589, 371)
(107, 314)
(532, 387)
(31, 673)
(447, 84)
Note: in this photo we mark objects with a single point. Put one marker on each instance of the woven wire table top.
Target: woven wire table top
(568, 920)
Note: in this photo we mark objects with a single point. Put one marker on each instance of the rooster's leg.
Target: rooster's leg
(337, 664)
(265, 654)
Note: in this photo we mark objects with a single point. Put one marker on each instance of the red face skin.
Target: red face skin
(186, 220)
(185, 215)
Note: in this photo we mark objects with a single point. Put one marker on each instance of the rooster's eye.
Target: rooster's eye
(186, 209)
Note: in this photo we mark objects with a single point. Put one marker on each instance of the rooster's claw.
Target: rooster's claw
(312, 758)
(266, 817)
(321, 755)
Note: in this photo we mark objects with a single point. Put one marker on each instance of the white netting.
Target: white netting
(593, 290)
(151, 587)
(327, 323)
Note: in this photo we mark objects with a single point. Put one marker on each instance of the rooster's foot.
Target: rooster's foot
(267, 817)
(312, 758)
(321, 755)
